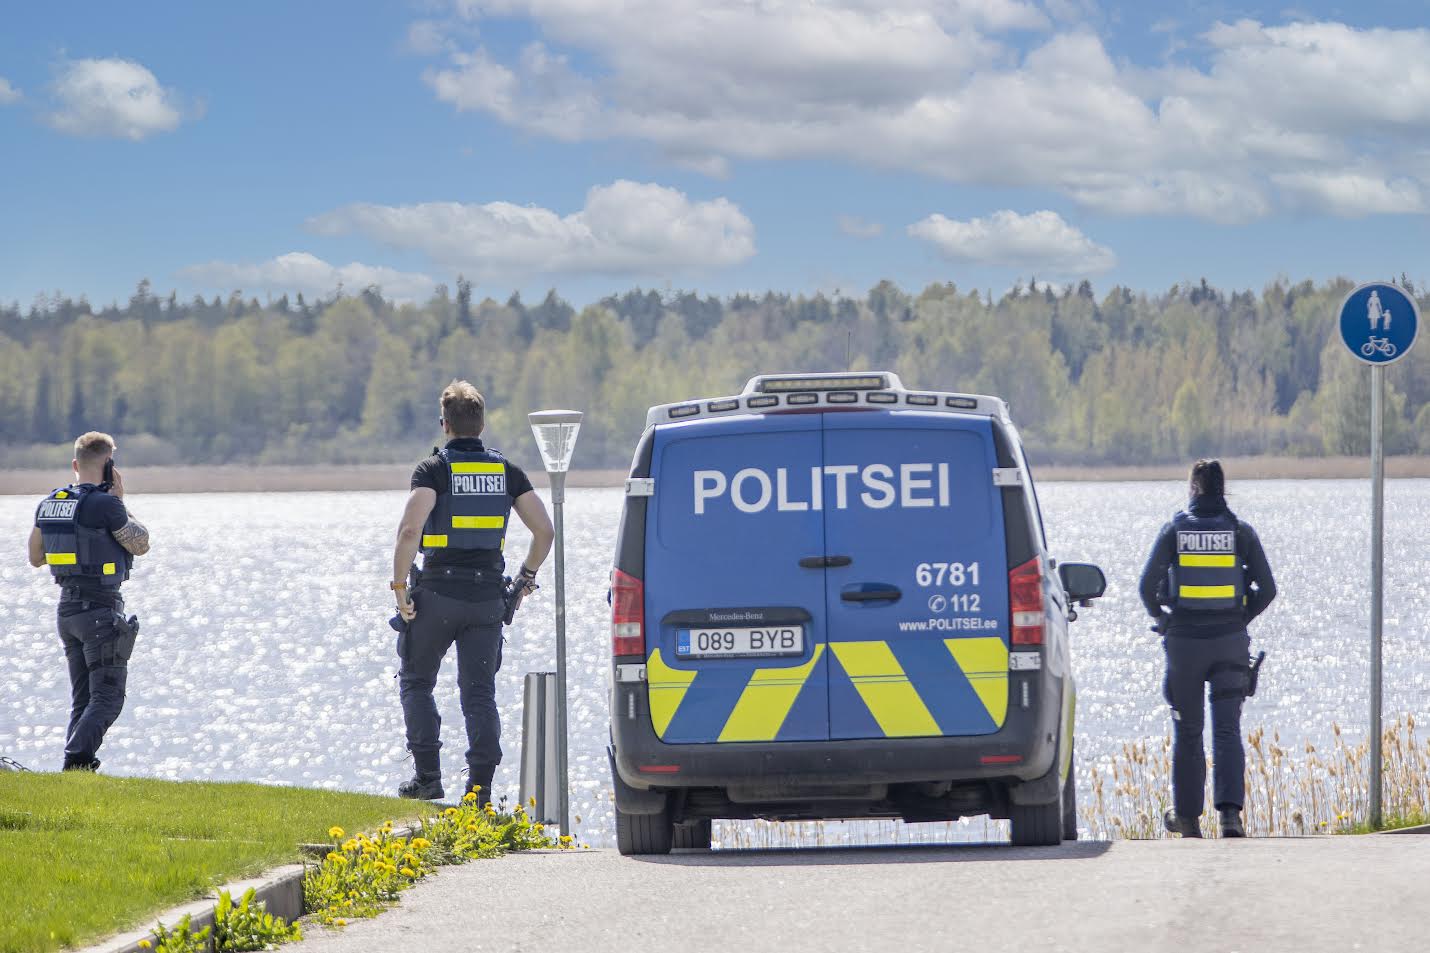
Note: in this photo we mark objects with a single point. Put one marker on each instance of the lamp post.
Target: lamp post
(555, 432)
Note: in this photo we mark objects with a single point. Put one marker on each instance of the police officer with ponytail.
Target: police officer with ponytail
(84, 534)
(457, 515)
(1205, 580)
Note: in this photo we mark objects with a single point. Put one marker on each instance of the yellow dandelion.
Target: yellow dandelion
(451, 812)
(567, 839)
(408, 872)
(145, 945)
(469, 797)
(340, 922)
(336, 833)
(532, 800)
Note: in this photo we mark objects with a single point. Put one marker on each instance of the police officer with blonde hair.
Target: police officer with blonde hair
(457, 514)
(1206, 579)
(83, 532)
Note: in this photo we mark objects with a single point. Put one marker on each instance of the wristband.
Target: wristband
(397, 586)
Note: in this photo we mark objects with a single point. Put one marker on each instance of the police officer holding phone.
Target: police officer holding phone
(83, 532)
(1207, 578)
(462, 497)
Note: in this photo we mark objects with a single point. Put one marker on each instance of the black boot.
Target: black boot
(83, 763)
(426, 781)
(420, 788)
(1231, 825)
(1185, 826)
(479, 779)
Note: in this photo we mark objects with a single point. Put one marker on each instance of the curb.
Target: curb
(1418, 829)
(281, 889)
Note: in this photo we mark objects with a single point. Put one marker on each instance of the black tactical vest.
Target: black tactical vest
(473, 513)
(1207, 573)
(75, 551)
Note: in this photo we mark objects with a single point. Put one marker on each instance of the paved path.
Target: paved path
(1259, 896)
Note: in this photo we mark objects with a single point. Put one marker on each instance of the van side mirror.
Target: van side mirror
(1083, 582)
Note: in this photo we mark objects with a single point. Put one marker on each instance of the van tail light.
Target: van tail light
(1025, 600)
(627, 614)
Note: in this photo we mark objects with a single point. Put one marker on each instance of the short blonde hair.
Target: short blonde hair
(464, 408)
(92, 448)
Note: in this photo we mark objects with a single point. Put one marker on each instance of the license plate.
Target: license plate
(730, 642)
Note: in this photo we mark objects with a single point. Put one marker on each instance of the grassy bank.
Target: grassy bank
(86, 855)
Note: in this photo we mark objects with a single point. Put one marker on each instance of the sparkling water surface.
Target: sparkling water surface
(265, 653)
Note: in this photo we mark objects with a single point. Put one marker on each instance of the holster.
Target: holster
(126, 633)
(1253, 673)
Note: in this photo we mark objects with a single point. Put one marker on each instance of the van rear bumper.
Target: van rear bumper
(644, 762)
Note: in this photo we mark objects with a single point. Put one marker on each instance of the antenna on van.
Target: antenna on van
(849, 351)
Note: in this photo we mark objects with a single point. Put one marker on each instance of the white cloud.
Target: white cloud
(856, 227)
(1041, 241)
(8, 94)
(427, 38)
(1353, 194)
(935, 88)
(301, 272)
(112, 98)
(626, 228)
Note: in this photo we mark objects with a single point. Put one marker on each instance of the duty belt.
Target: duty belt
(464, 575)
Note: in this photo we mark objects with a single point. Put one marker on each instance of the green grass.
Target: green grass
(84, 856)
(1390, 823)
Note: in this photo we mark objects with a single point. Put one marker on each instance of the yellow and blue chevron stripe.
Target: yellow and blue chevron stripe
(866, 689)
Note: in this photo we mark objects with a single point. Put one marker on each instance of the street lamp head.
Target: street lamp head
(555, 432)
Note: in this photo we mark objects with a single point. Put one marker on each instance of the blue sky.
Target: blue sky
(719, 145)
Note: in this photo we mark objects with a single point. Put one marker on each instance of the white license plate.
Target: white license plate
(731, 642)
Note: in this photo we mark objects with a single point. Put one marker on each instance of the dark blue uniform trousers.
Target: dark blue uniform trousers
(98, 659)
(1193, 665)
(476, 628)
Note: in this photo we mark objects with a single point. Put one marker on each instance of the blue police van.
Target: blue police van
(832, 598)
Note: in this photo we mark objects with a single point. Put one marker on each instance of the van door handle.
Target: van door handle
(825, 562)
(881, 594)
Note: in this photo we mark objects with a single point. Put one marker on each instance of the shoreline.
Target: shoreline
(335, 477)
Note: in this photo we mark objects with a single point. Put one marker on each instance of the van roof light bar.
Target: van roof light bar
(771, 393)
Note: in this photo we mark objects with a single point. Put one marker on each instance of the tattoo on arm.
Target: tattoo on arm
(133, 537)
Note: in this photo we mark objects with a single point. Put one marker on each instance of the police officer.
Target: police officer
(84, 534)
(462, 497)
(1206, 578)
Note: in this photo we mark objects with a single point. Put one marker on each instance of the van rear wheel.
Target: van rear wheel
(644, 834)
(1070, 801)
(693, 834)
(1037, 825)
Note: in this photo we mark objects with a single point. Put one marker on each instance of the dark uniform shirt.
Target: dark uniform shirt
(96, 511)
(1153, 588)
(434, 474)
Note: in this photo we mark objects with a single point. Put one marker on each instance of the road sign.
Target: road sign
(1379, 323)
(1378, 326)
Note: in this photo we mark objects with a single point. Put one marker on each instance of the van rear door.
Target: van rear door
(734, 582)
(917, 583)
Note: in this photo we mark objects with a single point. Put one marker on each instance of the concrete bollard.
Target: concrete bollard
(540, 773)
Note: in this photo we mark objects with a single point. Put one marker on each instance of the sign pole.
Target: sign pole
(1378, 324)
(1377, 567)
(558, 505)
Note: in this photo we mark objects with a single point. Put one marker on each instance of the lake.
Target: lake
(265, 653)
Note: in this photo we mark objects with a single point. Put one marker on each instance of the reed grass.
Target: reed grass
(1291, 790)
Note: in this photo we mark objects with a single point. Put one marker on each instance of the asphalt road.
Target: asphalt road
(1260, 896)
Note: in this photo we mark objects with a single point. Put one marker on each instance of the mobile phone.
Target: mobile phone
(108, 473)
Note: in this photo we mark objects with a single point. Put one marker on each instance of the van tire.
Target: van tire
(693, 834)
(1037, 825)
(1070, 801)
(644, 834)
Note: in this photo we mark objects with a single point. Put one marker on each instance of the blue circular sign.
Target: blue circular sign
(1379, 323)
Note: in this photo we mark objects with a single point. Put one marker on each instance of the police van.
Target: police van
(832, 598)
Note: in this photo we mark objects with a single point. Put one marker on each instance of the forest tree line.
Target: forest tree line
(1125, 378)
